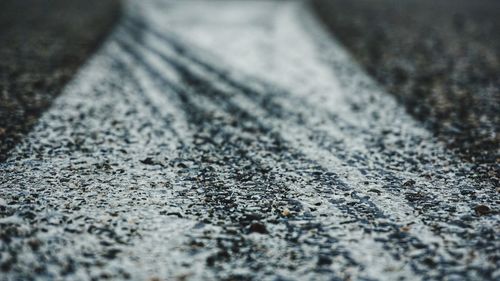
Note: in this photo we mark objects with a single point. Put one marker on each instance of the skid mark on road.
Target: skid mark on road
(232, 140)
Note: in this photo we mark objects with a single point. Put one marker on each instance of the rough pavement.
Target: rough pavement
(43, 43)
(235, 140)
(440, 59)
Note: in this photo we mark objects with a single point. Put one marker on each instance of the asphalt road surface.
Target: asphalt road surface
(440, 59)
(236, 140)
(43, 43)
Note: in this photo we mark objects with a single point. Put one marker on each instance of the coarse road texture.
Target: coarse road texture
(441, 59)
(43, 42)
(235, 140)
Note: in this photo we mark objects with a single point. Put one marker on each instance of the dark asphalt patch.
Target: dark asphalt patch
(43, 43)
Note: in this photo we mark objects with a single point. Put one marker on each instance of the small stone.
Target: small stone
(148, 161)
(285, 213)
(409, 183)
(482, 210)
(430, 262)
(34, 244)
(258, 227)
(111, 253)
(324, 260)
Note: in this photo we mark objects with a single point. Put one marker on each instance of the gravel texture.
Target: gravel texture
(43, 42)
(441, 59)
(235, 140)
